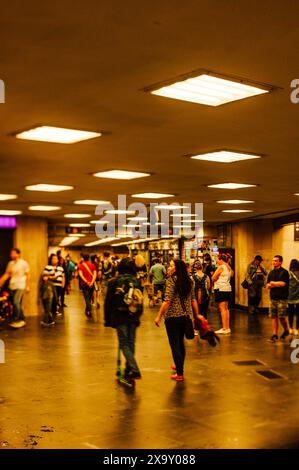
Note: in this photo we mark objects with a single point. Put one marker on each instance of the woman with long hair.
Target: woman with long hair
(179, 303)
(293, 299)
(222, 290)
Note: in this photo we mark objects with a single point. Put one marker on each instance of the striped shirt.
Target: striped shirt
(57, 271)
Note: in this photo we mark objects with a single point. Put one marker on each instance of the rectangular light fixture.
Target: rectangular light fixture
(231, 186)
(7, 197)
(58, 135)
(91, 202)
(137, 219)
(152, 195)
(101, 241)
(237, 211)
(225, 156)
(9, 212)
(77, 216)
(208, 88)
(235, 201)
(171, 206)
(44, 208)
(119, 212)
(120, 174)
(80, 225)
(182, 226)
(101, 222)
(51, 188)
(68, 240)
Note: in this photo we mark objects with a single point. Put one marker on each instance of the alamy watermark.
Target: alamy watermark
(295, 353)
(2, 352)
(2, 92)
(294, 96)
(149, 221)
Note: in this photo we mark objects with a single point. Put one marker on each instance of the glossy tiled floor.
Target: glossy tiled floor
(58, 389)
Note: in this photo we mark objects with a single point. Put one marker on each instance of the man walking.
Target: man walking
(18, 273)
(278, 284)
(255, 276)
(158, 277)
(88, 274)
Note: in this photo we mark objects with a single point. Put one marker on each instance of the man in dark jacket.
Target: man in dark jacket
(278, 284)
(122, 309)
(256, 278)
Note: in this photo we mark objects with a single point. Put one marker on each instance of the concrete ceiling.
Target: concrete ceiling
(84, 65)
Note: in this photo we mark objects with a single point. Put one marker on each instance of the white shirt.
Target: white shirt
(17, 271)
(223, 281)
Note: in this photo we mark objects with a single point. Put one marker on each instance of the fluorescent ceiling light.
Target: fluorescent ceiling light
(51, 188)
(44, 208)
(102, 222)
(231, 186)
(209, 90)
(137, 219)
(159, 223)
(129, 225)
(171, 207)
(146, 223)
(79, 225)
(76, 235)
(120, 174)
(296, 194)
(184, 215)
(120, 212)
(237, 211)
(101, 241)
(152, 195)
(68, 241)
(235, 201)
(58, 135)
(191, 221)
(182, 226)
(224, 156)
(10, 212)
(7, 197)
(77, 216)
(91, 202)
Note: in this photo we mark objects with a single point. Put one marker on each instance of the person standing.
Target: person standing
(222, 290)
(202, 288)
(293, 298)
(278, 284)
(88, 275)
(18, 273)
(208, 268)
(178, 305)
(157, 275)
(54, 274)
(119, 316)
(256, 277)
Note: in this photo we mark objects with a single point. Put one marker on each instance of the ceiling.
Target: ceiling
(85, 66)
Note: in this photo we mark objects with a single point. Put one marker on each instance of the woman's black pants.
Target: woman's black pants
(176, 327)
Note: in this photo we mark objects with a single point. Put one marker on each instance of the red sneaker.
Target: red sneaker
(178, 378)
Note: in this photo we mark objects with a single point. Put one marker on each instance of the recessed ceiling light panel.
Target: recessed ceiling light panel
(225, 156)
(237, 211)
(9, 212)
(44, 208)
(91, 202)
(235, 201)
(231, 186)
(209, 88)
(120, 174)
(51, 188)
(7, 197)
(58, 135)
(152, 195)
(77, 216)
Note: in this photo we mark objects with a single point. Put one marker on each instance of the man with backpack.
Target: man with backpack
(123, 308)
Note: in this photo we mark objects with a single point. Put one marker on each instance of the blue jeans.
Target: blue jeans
(17, 297)
(126, 338)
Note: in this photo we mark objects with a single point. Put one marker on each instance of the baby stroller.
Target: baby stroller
(6, 307)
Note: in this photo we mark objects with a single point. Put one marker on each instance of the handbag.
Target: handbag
(189, 328)
(245, 284)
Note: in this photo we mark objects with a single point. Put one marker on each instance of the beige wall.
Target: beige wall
(259, 238)
(31, 237)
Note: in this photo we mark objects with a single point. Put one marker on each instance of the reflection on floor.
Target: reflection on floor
(58, 388)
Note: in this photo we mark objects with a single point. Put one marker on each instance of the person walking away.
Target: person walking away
(97, 285)
(178, 305)
(61, 289)
(293, 298)
(106, 272)
(157, 275)
(209, 268)
(55, 275)
(88, 274)
(70, 272)
(18, 274)
(202, 288)
(278, 284)
(222, 290)
(47, 293)
(256, 277)
(120, 315)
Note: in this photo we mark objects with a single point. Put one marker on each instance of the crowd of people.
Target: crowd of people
(184, 290)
